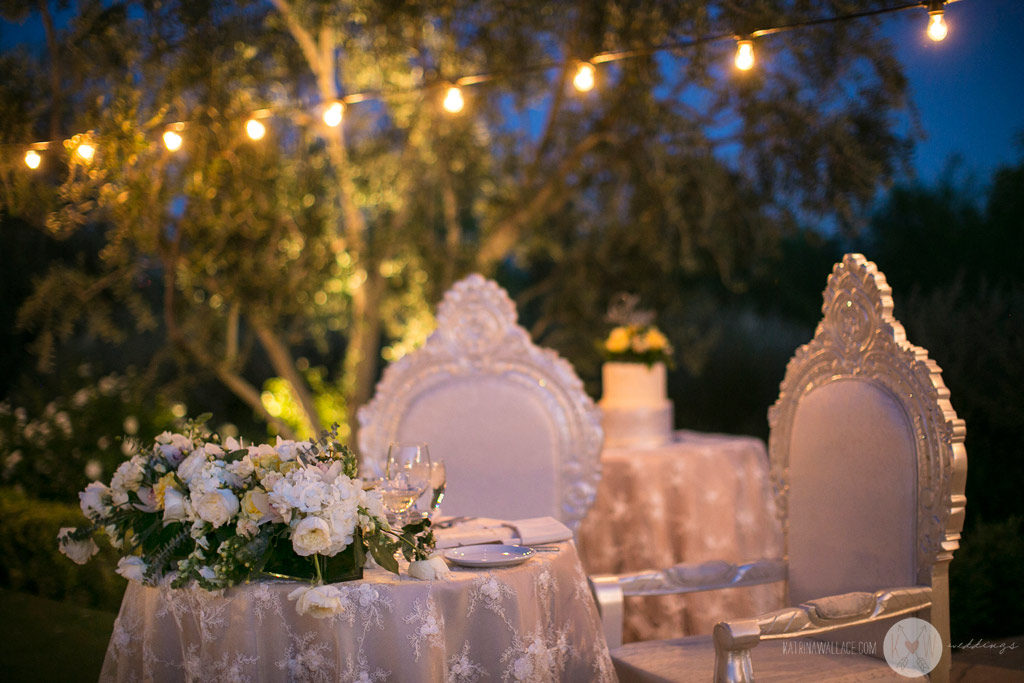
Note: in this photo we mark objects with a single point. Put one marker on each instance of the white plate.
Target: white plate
(489, 555)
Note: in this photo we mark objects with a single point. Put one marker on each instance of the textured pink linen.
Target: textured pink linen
(702, 497)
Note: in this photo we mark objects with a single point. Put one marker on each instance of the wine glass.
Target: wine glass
(406, 477)
(438, 479)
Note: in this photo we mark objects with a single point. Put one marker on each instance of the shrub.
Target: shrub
(53, 443)
(33, 564)
(985, 588)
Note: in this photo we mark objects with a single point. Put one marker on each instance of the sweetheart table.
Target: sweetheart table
(532, 622)
(700, 497)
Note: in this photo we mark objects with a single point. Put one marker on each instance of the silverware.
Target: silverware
(451, 522)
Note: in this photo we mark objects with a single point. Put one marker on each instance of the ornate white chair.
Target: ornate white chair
(519, 436)
(868, 464)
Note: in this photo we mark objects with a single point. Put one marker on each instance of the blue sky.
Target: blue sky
(969, 89)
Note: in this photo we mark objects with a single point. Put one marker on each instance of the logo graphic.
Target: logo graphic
(912, 647)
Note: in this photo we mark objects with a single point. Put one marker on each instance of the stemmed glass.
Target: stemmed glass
(438, 479)
(406, 477)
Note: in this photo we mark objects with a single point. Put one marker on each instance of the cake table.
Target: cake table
(700, 497)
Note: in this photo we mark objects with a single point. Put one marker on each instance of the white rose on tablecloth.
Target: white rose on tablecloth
(94, 500)
(132, 567)
(317, 601)
(217, 506)
(310, 536)
(78, 552)
(431, 569)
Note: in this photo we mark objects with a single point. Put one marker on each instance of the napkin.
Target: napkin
(531, 531)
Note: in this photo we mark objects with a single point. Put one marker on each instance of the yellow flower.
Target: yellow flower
(656, 341)
(255, 503)
(618, 340)
(288, 466)
(160, 488)
(269, 461)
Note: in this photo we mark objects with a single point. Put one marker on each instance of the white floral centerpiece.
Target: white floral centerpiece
(194, 509)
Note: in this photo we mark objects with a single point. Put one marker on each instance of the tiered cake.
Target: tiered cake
(636, 411)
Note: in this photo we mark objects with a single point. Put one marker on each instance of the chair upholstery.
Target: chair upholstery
(518, 434)
(868, 465)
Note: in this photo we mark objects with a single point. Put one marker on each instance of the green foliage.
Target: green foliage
(33, 564)
(52, 446)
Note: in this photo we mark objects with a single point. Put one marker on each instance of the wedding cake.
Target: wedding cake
(635, 409)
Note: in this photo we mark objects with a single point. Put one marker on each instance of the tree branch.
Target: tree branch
(545, 199)
(281, 358)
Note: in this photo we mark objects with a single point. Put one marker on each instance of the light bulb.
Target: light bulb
(584, 78)
(255, 129)
(172, 140)
(334, 113)
(453, 101)
(744, 55)
(937, 28)
(85, 151)
(32, 159)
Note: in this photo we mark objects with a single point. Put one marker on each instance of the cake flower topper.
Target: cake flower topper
(635, 338)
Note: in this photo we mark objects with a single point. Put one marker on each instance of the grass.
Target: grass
(44, 640)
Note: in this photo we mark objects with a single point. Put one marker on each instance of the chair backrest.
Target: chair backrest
(867, 454)
(518, 434)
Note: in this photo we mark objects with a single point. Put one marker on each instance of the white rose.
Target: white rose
(311, 535)
(430, 569)
(217, 506)
(246, 527)
(317, 601)
(128, 476)
(93, 500)
(78, 552)
(132, 567)
(192, 465)
(147, 500)
(241, 468)
(177, 507)
(341, 518)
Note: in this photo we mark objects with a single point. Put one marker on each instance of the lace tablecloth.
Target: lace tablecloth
(532, 622)
(702, 497)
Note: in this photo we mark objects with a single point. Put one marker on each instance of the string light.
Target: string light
(255, 129)
(744, 55)
(937, 29)
(334, 113)
(172, 140)
(584, 79)
(85, 151)
(453, 101)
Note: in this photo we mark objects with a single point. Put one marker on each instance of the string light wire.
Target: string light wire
(454, 100)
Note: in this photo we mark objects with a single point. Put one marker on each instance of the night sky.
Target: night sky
(969, 89)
